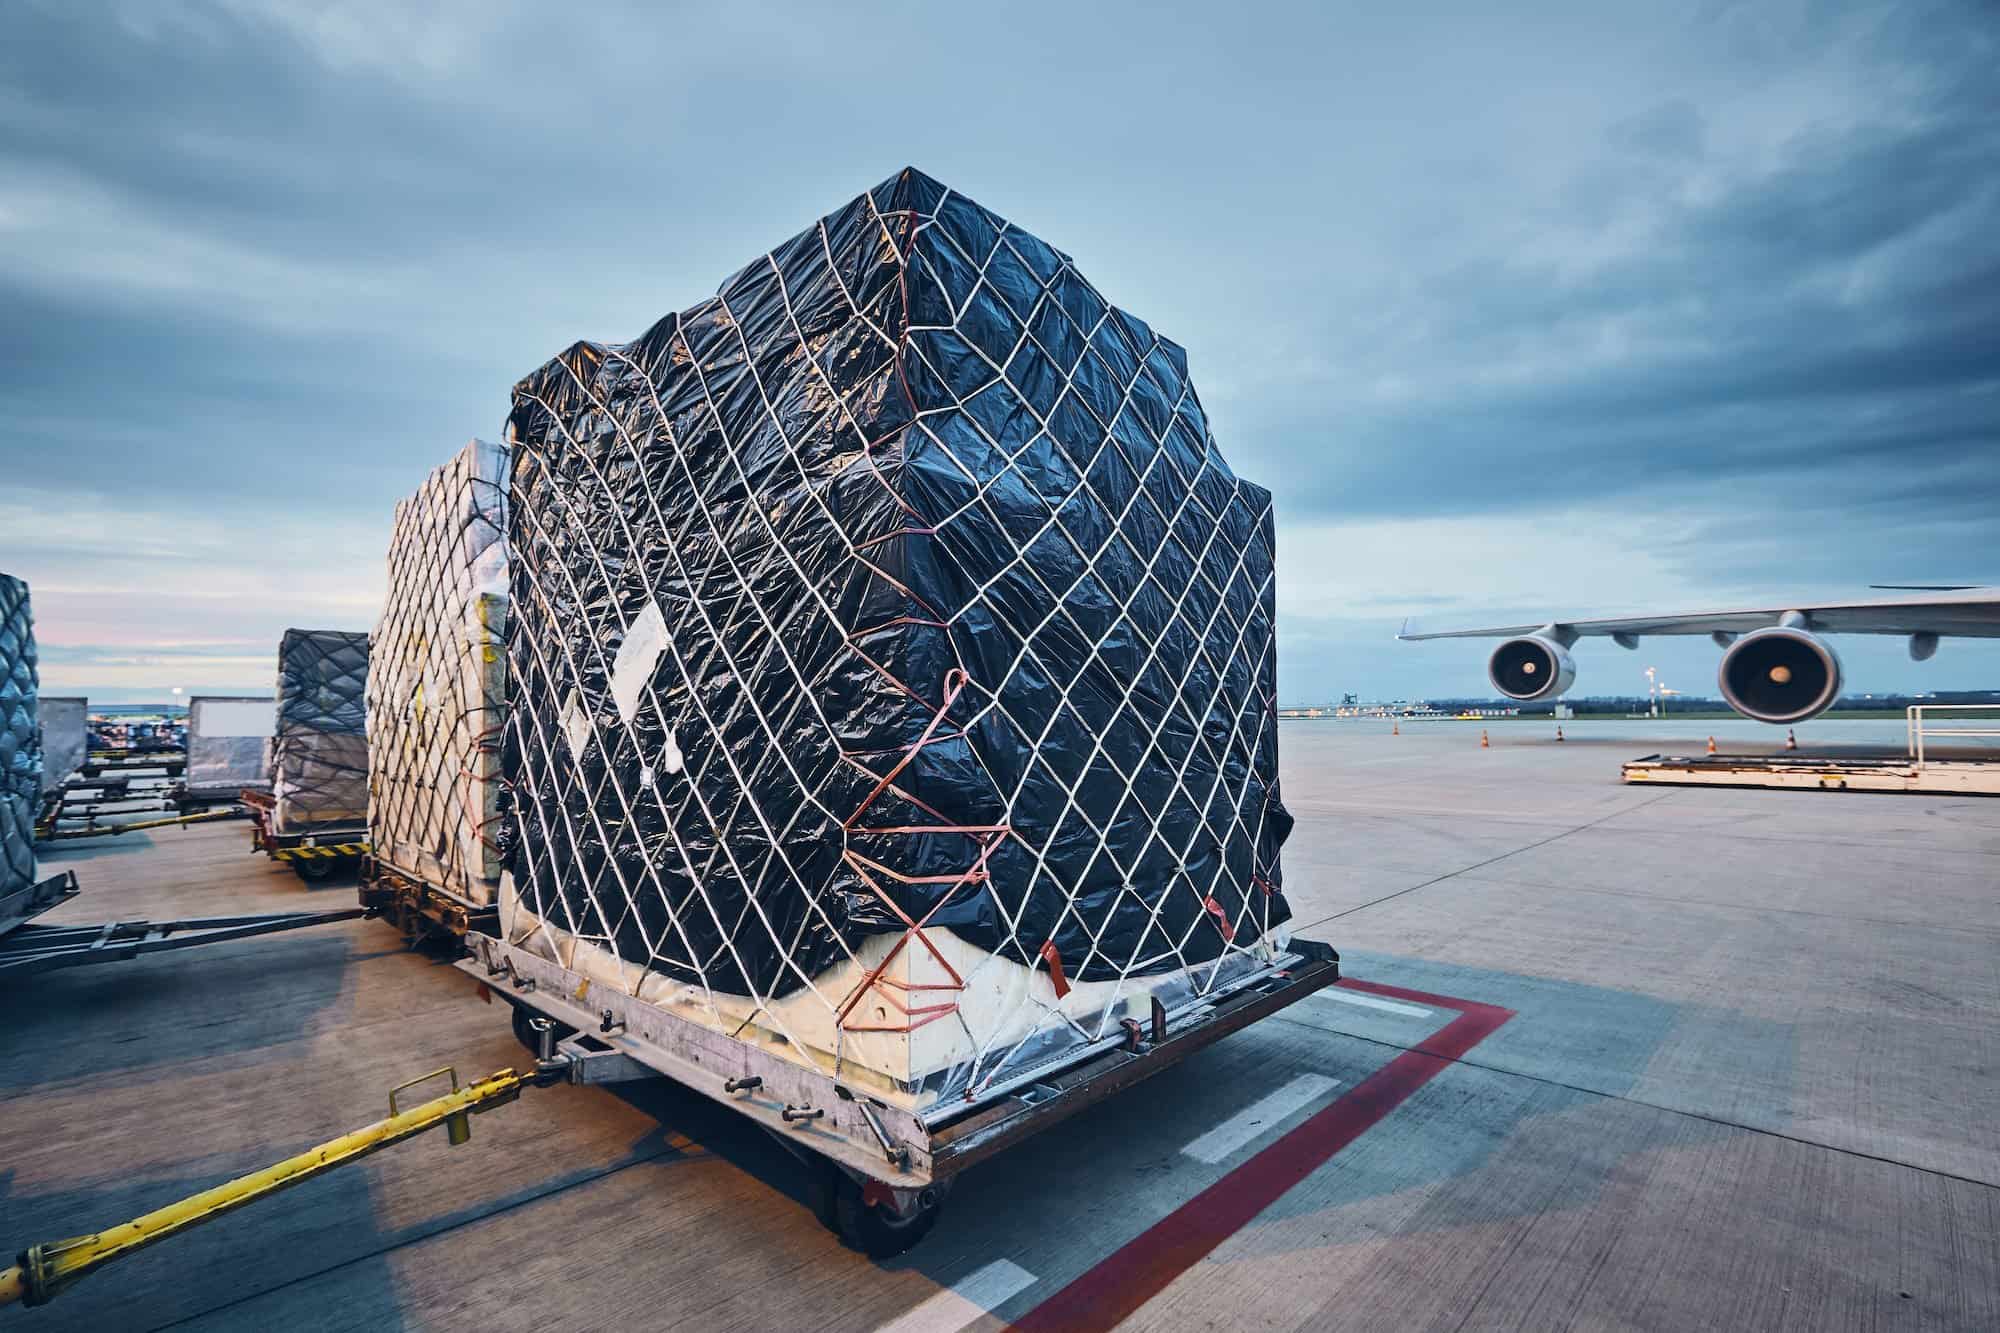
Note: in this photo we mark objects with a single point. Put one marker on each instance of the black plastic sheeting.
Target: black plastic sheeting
(323, 681)
(756, 548)
(319, 751)
(20, 745)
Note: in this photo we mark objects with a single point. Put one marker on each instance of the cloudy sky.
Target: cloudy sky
(1614, 307)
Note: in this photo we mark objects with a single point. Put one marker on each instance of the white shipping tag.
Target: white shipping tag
(575, 724)
(632, 668)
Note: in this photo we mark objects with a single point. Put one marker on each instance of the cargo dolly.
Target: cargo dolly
(315, 853)
(879, 1172)
(877, 1176)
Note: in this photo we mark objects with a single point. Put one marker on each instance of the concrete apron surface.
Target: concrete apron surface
(1611, 1057)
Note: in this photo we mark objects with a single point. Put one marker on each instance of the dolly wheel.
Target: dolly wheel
(526, 1034)
(873, 1228)
(314, 868)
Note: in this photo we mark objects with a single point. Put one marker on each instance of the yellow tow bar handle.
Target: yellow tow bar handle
(43, 1272)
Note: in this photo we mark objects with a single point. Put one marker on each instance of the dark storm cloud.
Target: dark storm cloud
(1731, 275)
(1766, 367)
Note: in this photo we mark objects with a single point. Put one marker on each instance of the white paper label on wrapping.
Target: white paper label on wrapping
(671, 759)
(646, 777)
(632, 669)
(575, 724)
(220, 718)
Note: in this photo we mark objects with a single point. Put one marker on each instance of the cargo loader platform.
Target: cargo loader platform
(1945, 777)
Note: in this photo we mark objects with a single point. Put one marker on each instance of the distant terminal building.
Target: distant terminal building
(1398, 709)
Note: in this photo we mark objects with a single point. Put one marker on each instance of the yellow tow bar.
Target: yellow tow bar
(44, 1272)
(92, 829)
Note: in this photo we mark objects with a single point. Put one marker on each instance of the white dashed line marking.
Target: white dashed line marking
(1254, 1119)
(1370, 1002)
(964, 1301)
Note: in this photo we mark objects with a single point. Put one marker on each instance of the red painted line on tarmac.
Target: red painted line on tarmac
(1145, 1265)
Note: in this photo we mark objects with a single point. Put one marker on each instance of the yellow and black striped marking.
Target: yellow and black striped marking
(328, 849)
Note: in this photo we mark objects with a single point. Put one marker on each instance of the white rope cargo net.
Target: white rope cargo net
(319, 750)
(893, 658)
(437, 678)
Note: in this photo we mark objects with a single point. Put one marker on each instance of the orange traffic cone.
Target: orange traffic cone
(1484, 744)
(1791, 740)
(1559, 735)
(1395, 729)
(1711, 745)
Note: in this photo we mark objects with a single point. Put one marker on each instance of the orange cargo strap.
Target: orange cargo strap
(1054, 960)
(1221, 920)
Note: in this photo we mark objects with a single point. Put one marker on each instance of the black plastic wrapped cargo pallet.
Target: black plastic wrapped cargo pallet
(753, 547)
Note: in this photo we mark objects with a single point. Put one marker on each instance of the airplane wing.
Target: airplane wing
(1957, 612)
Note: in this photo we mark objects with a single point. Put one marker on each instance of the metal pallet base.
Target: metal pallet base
(812, 1110)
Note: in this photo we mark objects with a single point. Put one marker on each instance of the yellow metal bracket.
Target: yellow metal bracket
(43, 1272)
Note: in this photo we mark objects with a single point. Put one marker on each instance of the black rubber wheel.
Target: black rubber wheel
(527, 1036)
(873, 1229)
(312, 869)
(822, 1188)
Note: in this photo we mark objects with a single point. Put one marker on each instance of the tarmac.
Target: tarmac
(1608, 1057)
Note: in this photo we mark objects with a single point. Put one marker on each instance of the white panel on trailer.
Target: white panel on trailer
(228, 743)
(239, 718)
(65, 737)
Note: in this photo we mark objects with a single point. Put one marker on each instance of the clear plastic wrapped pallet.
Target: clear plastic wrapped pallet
(437, 680)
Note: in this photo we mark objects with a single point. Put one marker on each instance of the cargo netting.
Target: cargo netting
(20, 747)
(319, 753)
(437, 680)
(895, 600)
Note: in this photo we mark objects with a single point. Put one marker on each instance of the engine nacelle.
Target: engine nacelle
(1531, 668)
(1780, 675)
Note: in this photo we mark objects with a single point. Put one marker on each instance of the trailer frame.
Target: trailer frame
(420, 909)
(31, 900)
(315, 853)
(879, 1172)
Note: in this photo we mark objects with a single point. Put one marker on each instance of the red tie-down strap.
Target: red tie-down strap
(488, 742)
(1054, 960)
(1221, 920)
(985, 837)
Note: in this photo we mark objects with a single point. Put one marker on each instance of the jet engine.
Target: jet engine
(1782, 675)
(1531, 668)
